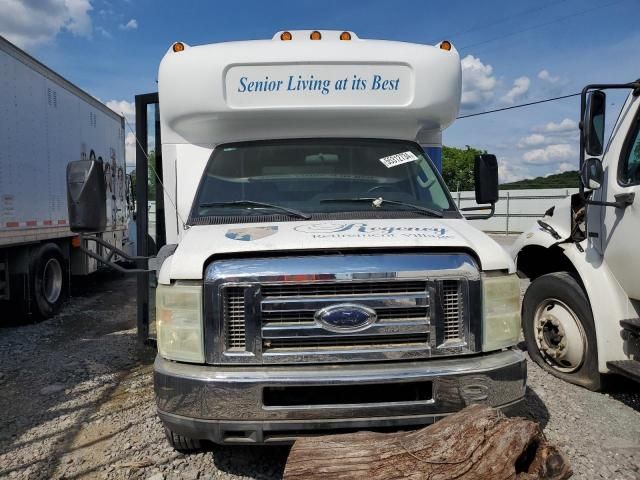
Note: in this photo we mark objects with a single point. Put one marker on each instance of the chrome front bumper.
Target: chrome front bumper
(227, 404)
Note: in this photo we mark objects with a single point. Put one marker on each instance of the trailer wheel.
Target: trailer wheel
(181, 443)
(559, 330)
(49, 280)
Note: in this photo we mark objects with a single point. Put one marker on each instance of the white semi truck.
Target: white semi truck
(45, 122)
(317, 274)
(580, 312)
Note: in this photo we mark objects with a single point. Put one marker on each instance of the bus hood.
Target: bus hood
(202, 242)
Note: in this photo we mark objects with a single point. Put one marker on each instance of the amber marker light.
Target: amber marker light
(315, 35)
(445, 45)
(345, 36)
(286, 36)
(178, 47)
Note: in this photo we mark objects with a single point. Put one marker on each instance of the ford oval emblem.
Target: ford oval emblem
(345, 317)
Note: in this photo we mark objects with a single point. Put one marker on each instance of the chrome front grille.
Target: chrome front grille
(344, 288)
(267, 310)
(452, 306)
(383, 314)
(349, 343)
(234, 318)
(289, 324)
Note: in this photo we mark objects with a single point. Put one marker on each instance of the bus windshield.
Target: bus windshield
(306, 178)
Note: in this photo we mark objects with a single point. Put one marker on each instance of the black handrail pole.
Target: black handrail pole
(142, 215)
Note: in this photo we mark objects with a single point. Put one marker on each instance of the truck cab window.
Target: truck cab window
(630, 166)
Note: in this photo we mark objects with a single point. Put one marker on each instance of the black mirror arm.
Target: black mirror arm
(623, 200)
(483, 216)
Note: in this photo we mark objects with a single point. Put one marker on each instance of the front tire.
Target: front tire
(49, 280)
(559, 330)
(181, 443)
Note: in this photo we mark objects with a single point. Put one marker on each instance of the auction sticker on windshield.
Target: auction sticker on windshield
(398, 159)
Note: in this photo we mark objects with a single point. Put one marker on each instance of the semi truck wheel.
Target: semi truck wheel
(49, 280)
(181, 443)
(559, 330)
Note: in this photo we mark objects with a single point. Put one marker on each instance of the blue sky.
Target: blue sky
(512, 52)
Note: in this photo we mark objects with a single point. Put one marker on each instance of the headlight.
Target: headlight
(179, 322)
(500, 311)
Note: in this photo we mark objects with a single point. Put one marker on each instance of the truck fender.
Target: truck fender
(535, 236)
(536, 253)
(609, 302)
(553, 228)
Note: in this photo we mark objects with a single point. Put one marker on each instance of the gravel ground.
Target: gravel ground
(77, 402)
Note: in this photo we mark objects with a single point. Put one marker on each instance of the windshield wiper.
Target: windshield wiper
(252, 203)
(378, 202)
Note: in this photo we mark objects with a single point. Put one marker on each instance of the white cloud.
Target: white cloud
(520, 87)
(130, 25)
(124, 108)
(532, 140)
(79, 22)
(546, 149)
(478, 82)
(130, 149)
(103, 31)
(566, 167)
(566, 125)
(549, 154)
(32, 23)
(128, 110)
(509, 171)
(547, 77)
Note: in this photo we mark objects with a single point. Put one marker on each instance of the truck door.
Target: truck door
(620, 227)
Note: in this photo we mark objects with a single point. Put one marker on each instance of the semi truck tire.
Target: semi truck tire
(559, 330)
(49, 280)
(181, 443)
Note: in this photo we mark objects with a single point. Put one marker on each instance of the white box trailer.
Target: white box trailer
(45, 122)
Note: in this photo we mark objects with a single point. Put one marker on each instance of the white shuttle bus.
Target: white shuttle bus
(317, 274)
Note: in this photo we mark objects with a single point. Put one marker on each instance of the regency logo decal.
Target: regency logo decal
(364, 230)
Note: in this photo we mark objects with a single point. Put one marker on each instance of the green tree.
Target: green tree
(556, 180)
(457, 167)
(151, 176)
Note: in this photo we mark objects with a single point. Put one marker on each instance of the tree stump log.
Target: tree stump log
(473, 444)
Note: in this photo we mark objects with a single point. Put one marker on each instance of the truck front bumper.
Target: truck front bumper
(278, 404)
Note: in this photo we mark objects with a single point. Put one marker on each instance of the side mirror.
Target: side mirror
(486, 179)
(591, 173)
(593, 123)
(485, 172)
(86, 195)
